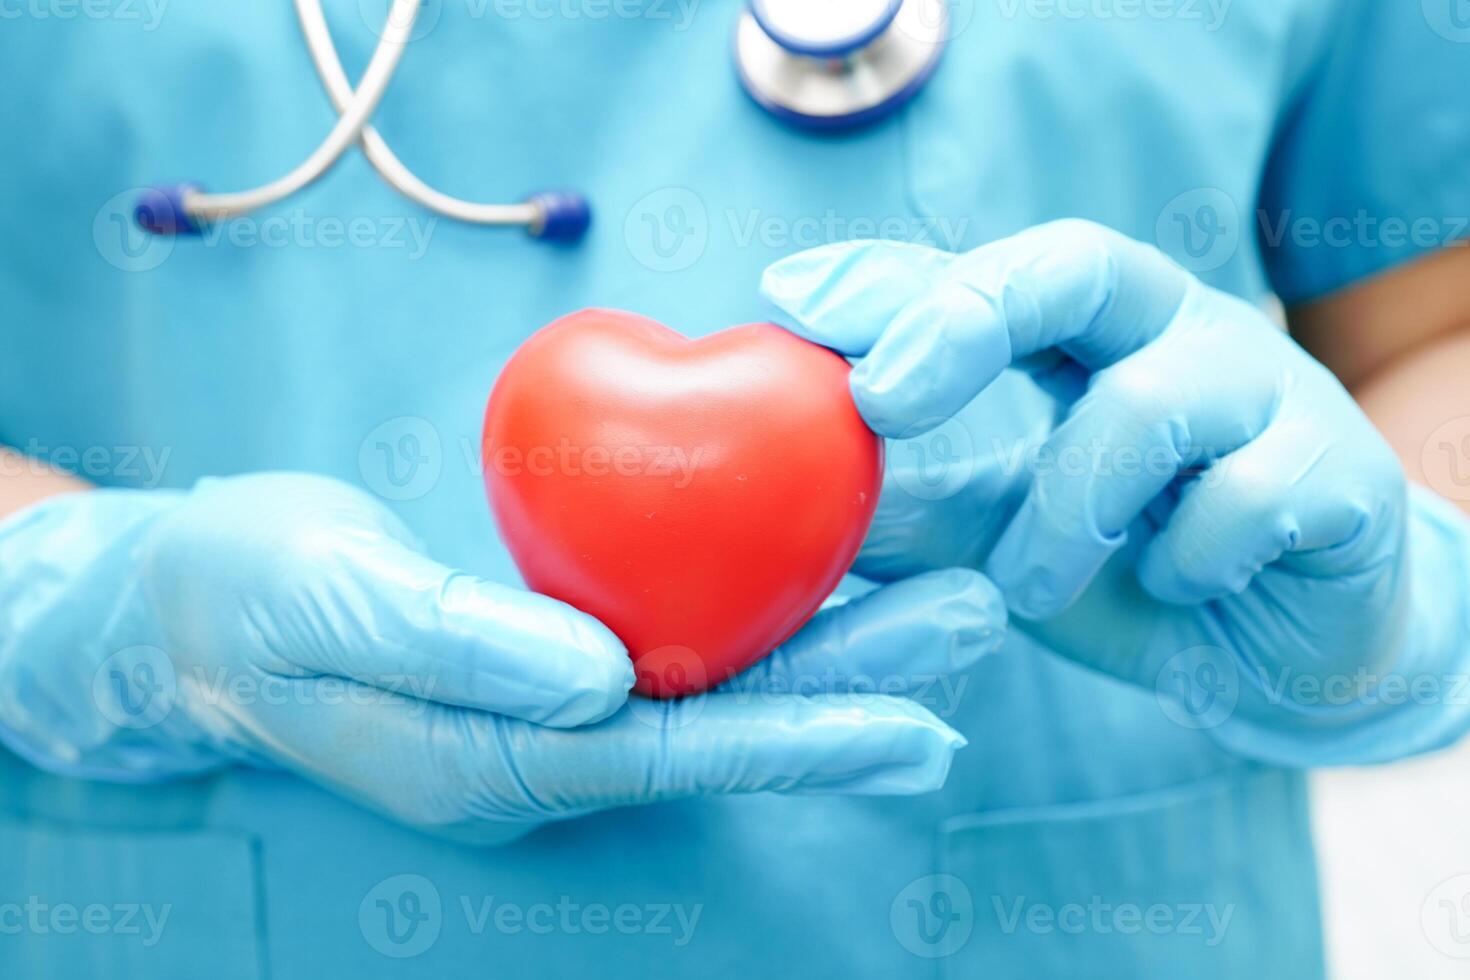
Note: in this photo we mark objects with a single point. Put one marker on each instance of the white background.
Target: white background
(1387, 836)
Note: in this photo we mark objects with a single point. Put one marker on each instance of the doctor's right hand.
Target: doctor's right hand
(1209, 516)
(292, 622)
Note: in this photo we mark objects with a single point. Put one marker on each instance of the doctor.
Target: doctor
(273, 704)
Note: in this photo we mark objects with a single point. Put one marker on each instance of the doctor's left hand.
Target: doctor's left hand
(292, 621)
(1192, 494)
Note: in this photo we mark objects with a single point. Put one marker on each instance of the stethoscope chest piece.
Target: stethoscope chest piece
(837, 64)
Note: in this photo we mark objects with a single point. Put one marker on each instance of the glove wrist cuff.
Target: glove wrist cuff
(66, 639)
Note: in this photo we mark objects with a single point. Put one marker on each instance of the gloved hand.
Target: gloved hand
(291, 621)
(1188, 500)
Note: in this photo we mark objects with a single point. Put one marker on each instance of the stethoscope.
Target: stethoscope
(823, 64)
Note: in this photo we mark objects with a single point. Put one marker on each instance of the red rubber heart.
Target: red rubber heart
(701, 497)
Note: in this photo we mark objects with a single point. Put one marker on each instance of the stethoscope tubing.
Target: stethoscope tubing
(354, 117)
(334, 79)
(556, 216)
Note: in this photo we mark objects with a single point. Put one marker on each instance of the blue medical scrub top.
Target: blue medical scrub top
(1082, 832)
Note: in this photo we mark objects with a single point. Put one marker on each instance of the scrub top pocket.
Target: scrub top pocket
(1213, 879)
(127, 905)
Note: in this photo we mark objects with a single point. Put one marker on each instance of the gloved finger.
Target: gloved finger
(386, 611)
(1089, 292)
(890, 640)
(850, 744)
(844, 295)
(948, 494)
(723, 743)
(1142, 421)
(485, 777)
(1096, 295)
(913, 534)
(1290, 491)
(1056, 374)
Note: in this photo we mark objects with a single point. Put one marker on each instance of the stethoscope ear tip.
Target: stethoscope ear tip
(564, 216)
(161, 210)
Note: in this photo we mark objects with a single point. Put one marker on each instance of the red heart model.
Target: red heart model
(700, 497)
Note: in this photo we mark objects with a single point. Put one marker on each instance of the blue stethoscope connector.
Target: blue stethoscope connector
(161, 210)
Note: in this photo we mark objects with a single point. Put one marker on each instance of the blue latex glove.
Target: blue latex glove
(1185, 499)
(290, 621)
